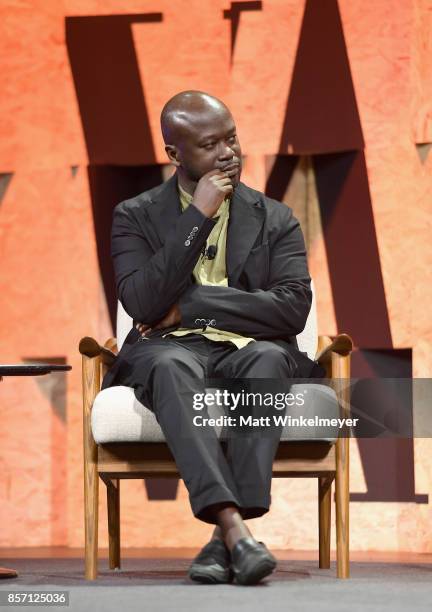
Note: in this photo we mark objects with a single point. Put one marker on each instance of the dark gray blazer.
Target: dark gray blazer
(155, 248)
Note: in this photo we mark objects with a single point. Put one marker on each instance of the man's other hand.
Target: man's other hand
(173, 317)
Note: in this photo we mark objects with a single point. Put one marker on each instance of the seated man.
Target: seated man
(215, 277)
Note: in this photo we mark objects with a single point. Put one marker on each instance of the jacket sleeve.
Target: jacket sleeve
(148, 283)
(279, 310)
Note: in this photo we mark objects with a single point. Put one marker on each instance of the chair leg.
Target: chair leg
(324, 513)
(91, 385)
(341, 375)
(113, 503)
(342, 507)
(91, 507)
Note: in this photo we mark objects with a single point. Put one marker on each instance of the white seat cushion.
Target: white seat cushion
(118, 416)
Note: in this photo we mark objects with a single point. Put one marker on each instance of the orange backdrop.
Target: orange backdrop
(333, 102)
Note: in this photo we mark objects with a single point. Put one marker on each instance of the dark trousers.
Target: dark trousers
(165, 372)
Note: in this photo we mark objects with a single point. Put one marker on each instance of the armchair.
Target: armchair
(123, 440)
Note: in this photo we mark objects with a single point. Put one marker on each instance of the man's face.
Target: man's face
(209, 141)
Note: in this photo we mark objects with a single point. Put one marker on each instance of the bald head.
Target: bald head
(187, 110)
(200, 136)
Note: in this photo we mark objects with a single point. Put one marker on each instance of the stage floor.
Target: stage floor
(155, 579)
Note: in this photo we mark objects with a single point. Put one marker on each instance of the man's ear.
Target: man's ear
(173, 154)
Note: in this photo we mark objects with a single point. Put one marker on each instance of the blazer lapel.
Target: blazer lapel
(245, 221)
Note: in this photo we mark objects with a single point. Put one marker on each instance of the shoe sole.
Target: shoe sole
(257, 572)
(209, 574)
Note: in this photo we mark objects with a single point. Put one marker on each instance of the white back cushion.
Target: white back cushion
(123, 325)
(307, 339)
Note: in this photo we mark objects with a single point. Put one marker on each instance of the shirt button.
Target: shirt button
(187, 242)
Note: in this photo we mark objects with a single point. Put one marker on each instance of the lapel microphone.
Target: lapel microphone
(210, 252)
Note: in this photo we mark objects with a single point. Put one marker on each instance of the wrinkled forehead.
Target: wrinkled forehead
(200, 124)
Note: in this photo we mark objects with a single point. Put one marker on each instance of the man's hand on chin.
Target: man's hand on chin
(173, 317)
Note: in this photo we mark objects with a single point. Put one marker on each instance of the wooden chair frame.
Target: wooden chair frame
(112, 462)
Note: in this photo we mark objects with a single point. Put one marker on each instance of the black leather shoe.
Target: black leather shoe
(251, 561)
(212, 564)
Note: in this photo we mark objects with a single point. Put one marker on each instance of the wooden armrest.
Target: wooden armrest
(341, 344)
(91, 348)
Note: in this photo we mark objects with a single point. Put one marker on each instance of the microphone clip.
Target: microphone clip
(209, 252)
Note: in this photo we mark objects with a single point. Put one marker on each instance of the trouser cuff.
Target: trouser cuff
(202, 505)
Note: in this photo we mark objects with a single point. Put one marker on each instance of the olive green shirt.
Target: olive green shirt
(212, 272)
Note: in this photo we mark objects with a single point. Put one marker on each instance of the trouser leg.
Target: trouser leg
(167, 375)
(251, 454)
